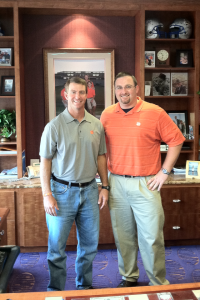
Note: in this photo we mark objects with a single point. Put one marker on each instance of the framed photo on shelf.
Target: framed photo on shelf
(6, 57)
(161, 84)
(192, 169)
(179, 84)
(147, 88)
(149, 59)
(184, 58)
(180, 118)
(7, 85)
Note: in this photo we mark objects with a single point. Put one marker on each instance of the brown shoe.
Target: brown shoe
(125, 283)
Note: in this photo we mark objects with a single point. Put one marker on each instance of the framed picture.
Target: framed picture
(161, 84)
(147, 88)
(184, 58)
(7, 85)
(179, 84)
(149, 59)
(180, 118)
(94, 65)
(6, 57)
(192, 169)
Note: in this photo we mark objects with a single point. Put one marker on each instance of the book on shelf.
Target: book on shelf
(8, 150)
(179, 170)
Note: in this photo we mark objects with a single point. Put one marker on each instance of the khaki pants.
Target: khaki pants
(137, 219)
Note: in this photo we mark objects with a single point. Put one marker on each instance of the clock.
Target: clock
(162, 57)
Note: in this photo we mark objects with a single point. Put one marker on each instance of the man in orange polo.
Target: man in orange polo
(134, 130)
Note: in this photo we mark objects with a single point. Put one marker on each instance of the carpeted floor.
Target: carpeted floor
(30, 273)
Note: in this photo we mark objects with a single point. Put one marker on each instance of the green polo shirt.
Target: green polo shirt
(73, 146)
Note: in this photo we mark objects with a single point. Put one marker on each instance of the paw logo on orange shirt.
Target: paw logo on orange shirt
(138, 123)
(92, 132)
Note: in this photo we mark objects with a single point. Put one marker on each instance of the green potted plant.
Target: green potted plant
(7, 124)
(198, 93)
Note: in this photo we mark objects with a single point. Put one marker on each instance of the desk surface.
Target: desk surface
(24, 183)
(103, 292)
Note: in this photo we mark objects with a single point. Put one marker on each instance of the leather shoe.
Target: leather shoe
(90, 288)
(125, 283)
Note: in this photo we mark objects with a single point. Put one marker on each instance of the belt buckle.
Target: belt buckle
(80, 184)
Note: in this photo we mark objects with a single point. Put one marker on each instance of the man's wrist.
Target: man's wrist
(106, 187)
(47, 194)
(165, 171)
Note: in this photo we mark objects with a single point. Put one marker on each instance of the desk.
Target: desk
(3, 225)
(103, 292)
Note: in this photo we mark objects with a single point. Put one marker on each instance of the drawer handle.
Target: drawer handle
(176, 227)
(176, 200)
(2, 232)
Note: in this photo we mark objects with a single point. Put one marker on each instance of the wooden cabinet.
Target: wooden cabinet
(7, 102)
(3, 226)
(189, 101)
(31, 222)
(7, 200)
(182, 212)
(10, 39)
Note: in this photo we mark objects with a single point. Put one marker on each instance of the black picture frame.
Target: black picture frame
(180, 118)
(8, 85)
(184, 58)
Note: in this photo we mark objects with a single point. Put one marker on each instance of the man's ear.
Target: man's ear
(137, 89)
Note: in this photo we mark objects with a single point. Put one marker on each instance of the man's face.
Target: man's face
(86, 77)
(126, 92)
(76, 96)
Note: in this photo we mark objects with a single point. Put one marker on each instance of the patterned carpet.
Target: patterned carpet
(30, 273)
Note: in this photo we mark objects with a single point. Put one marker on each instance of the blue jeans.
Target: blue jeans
(81, 205)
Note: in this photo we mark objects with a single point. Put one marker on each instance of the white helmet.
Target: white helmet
(152, 28)
(182, 28)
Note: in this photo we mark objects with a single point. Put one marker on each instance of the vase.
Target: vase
(5, 140)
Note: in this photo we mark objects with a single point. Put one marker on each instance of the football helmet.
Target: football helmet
(152, 28)
(181, 28)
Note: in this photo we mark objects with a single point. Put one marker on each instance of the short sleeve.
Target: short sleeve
(48, 143)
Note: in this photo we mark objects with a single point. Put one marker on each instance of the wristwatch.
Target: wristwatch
(106, 187)
(165, 171)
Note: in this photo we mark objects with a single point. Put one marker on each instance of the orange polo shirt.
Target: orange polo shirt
(133, 139)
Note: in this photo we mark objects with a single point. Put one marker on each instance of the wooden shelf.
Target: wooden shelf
(174, 69)
(7, 67)
(7, 97)
(170, 40)
(8, 154)
(8, 143)
(6, 38)
(169, 97)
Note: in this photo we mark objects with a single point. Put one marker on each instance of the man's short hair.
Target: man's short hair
(123, 74)
(162, 76)
(77, 80)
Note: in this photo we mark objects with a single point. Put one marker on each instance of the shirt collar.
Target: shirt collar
(135, 109)
(68, 118)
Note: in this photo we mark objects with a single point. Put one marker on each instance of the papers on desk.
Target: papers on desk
(197, 293)
(53, 298)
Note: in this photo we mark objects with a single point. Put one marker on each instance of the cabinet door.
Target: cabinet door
(7, 199)
(182, 211)
(33, 230)
(182, 226)
(181, 200)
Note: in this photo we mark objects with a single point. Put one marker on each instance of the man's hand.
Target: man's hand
(157, 181)
(50, 204)
(103, 198)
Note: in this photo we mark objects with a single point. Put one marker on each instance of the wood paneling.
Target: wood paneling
(7, 200)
